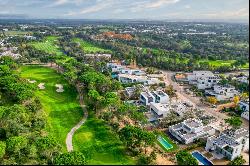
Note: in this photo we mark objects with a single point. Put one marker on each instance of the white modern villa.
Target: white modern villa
(225, 92)
(159, 111)
(229, 144)
(190, 130)
(156, 97)
(244, 105)
(115, 67)
(203, 79)
(127, 78)
(137, 72)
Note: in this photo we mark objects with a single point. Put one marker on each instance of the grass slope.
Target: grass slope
(48, 45)
(101, 146)
(63, 109)
(90, 48)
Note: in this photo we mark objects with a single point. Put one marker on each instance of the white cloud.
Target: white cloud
(240, 13)
(63, 2)
(100, 5)
(151, 4)
(160, 3)
(116, 11)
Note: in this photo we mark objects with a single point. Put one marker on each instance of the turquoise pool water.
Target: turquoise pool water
(201, 158)
(164, 143)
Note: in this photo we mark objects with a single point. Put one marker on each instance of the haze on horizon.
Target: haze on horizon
(126, 9)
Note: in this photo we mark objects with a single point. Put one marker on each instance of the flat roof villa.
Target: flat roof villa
(203, 79)
(244, 105)
(130, 90)
(229, 144)
(153, 81)
(156, 97)
(190, 130)
(127, 78)
(222, 92)
(160, 111)
(242, 79)
(137, 72)
(115, 67)
(146, 98)
(160, 97)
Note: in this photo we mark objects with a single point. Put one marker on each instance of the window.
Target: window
(236, 151)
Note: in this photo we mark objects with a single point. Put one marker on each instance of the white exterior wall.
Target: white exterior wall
(243, 104)
(164, 100)
(246, 145)
(147, 103)
(209, 144)
(126, 71)
(236, 152)
(162, 111)
(245, 115)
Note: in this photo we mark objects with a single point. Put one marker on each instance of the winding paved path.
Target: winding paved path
(69, 137)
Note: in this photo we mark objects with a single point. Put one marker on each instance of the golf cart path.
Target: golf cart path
(69, 137)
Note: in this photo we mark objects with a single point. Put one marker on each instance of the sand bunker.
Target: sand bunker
(60, 88)
(31, 81)
(41, 86)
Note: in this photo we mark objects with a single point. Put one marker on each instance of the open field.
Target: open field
(63, 109)
(99, 144)
(219, 63)
(90, 48)
(18, 33)
(48, 45)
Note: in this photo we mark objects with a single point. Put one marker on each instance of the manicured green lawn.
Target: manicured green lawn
(175, 147)
(90, 48)
(219, 63)
(63, 109)
(94, 138)
(19, 33)
(99, 144)
(48, 45)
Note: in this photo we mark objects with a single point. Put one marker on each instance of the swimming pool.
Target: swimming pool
(164, 143)
(201, 158)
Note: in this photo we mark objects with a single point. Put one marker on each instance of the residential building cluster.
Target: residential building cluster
(128, 75)
(209, 82)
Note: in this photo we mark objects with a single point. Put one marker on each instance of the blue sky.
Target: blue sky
(127, 9)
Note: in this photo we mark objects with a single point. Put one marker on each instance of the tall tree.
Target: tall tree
(70, 158)
(185, 158)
